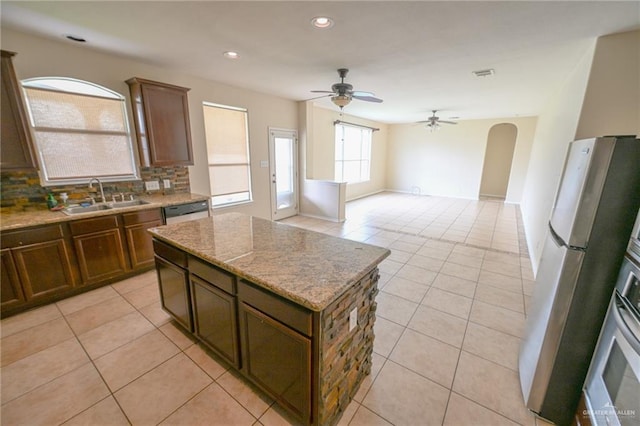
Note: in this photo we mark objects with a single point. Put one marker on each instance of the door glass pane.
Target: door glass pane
(284, 172)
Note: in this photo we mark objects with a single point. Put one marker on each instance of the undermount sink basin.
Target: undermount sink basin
(99, 207)
(88, 209)
(120, 204)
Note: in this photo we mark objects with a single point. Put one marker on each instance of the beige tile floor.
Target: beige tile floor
(451, 311)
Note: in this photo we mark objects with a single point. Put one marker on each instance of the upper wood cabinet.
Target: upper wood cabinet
(161, 114)
(16, 147)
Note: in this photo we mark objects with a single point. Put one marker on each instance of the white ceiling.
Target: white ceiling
(417, 56)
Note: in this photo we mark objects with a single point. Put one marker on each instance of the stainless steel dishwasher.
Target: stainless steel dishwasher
(184, 212)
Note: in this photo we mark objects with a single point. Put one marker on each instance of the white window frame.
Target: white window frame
(366, 140)
(234, 198)
(89, 90)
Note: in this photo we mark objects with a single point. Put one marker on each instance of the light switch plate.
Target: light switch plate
(166, 183)
(152, 185)
(353, 319)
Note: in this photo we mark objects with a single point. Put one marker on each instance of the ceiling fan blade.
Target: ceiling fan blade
(447, 122)
(423, 121)
(322, 91)
(361, 93)
(318, 97)
(367, 98)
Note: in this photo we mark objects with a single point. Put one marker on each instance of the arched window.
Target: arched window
(80, 130)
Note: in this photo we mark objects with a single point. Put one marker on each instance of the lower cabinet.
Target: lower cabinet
(278, 359)
(46, 263)
(267, 338)
(214, 317)
(138, 239)
(36, 264)
(99, 247)
(174, 291)
(11, 291)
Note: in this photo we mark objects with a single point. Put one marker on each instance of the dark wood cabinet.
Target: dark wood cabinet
(39, 258)
(276, 344)
(278, 359)
(139, 240)
(98, 243)
(16, 147)
(47, 263)
(161, 115)
(11, 291)
(269, 339)
(174, 291)
(214, 310)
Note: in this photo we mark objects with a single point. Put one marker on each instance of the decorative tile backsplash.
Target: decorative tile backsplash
(21, 191)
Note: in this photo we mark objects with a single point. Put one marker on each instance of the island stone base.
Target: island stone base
(345, 355)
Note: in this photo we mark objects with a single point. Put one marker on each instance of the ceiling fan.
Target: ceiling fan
(342, 93)
(433, 122)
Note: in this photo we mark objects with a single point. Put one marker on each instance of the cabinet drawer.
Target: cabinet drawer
(221, 279)
(169, 253)
(96, 224)
(141, 216)
(32, 236)
(294, 316)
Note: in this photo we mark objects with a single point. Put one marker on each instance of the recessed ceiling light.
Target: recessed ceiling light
(322, 22)
(76, 38)
(231, 54)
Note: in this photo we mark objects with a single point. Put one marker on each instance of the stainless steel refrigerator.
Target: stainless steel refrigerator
(590, 225)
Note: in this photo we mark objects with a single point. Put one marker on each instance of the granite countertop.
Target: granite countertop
(307, 267)
(10, 221)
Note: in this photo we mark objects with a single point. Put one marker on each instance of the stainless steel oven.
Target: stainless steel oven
(634, 243)
(613, 383)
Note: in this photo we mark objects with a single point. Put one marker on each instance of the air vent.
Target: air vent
(484, 73)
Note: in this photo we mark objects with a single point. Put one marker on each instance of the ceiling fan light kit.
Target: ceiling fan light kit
(341, 100)
(342, 93)
(433, 122)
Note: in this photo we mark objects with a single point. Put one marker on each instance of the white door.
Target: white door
(283, 152)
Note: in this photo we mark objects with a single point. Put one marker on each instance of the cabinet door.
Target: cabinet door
(140, 244)
(278, 359)
(44, 268)
(11, 293)
(214, 319)
(162, 123)
(174, 292)
(101, 255)
(16, 146)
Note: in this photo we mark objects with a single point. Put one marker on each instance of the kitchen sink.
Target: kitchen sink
(99, 207)
(121, 204)
(79, 209)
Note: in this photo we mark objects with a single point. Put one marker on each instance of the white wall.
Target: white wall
(612, 101)
(601, 97)
(556, 128)
(321, 150)
(449, 162)
(43, 57)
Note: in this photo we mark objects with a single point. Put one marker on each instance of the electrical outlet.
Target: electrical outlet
(166, 183)
(353, 318)
(152, 185)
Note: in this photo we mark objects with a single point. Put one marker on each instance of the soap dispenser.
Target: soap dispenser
(51, 201)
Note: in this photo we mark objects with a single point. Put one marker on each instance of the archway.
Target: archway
(501, 143)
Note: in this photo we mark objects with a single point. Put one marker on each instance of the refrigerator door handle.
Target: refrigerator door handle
(560, 242)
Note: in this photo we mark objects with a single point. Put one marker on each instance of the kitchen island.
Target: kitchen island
(292, 310)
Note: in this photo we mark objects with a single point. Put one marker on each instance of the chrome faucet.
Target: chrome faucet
(104, 200)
